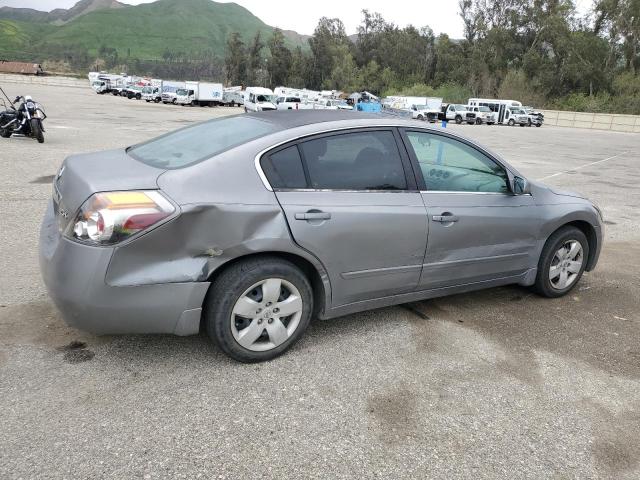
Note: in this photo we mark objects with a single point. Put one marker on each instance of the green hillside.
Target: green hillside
(144, 31)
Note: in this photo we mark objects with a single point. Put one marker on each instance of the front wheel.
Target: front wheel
(420, 117)
(538, 124)
(458, 119)
(258, 308)
(36, 130)
(562, 262)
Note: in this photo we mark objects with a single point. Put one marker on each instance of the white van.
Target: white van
(499, 106)
(258, 99)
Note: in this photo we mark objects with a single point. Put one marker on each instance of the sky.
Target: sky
(441, 15)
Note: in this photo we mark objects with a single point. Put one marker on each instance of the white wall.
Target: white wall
(600, 121)
(44, 80)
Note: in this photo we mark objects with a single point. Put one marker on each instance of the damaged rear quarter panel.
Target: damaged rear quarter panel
(226, 212)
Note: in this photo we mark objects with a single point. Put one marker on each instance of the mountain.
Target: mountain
(146, 31)
(59, 15)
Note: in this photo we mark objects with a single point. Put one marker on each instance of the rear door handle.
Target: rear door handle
(446, 218)
(313, 216)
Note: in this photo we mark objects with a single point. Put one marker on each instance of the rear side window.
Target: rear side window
(190, 145)
(355, 161)
(284, 169)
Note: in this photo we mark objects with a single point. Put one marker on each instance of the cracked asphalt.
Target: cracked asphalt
(492, 384)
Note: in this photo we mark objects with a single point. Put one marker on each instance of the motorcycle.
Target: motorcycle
(24, 120)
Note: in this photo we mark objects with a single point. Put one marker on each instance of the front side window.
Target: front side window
(450, 165)
(355, 161)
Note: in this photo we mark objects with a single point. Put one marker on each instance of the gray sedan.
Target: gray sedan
(249, 226)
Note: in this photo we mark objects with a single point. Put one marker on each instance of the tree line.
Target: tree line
(539, 51)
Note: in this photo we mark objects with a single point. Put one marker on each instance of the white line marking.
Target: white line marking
(584, 166)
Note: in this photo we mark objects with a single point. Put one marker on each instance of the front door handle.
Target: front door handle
(445, 218)
(313, 215)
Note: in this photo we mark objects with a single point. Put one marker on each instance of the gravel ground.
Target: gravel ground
(493, 384)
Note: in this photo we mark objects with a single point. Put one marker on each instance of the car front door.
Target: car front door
(479, 231)
(355, 205)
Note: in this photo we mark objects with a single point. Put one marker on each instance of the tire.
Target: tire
(36, 130)
(511, 122)
(420, 117)
(5, 133)
(490, 123)
(157, 100)
(564, 239)
(538, 124)
(523, 124)
(245, 280)
(175, 101)
(458, 119)
(478, 121)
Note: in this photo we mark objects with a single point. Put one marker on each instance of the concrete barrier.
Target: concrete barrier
(600, 121)
(44, 80)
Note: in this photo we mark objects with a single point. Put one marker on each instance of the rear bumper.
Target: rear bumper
(74, 275)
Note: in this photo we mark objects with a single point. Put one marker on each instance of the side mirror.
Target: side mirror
(520, 186)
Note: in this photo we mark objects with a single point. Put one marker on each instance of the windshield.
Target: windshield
(265, 98)
(181, 91)
(147, 90)
(460, 107)
(193, 144)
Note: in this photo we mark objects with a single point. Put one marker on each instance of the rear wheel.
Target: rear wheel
(36, 130)
(478, 121)
(5, 133)
(420, 117)
(562, 262)
(511, 122)
(259, 308)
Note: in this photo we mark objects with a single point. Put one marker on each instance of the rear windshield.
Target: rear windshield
(190, 145)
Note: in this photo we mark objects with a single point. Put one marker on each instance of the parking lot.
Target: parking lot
(493, 384)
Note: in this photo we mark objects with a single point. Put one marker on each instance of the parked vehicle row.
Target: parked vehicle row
(166, 91)
(258, 99)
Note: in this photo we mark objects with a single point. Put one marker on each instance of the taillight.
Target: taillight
(110, 217)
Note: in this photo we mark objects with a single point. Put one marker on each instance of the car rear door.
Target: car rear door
(351, 199)
(479, 231)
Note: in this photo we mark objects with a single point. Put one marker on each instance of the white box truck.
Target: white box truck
(204, 94)
(169, 89)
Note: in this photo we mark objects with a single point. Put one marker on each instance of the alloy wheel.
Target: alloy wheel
(266, 314)
(566, 265)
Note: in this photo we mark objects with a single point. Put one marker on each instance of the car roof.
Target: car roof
(285, 119)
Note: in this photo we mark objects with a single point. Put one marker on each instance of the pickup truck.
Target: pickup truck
(480, 115)
(455, 112)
